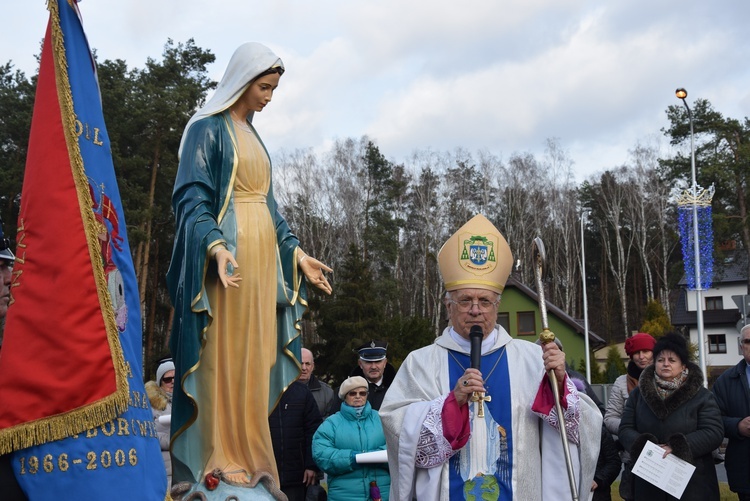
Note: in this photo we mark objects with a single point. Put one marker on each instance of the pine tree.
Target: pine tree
(16, 104)
(615, 366)
(656, 321)
(350, 318)
(597, 377)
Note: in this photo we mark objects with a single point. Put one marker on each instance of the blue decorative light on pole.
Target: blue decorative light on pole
(695, 199)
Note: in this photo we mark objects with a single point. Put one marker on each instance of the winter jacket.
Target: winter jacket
(688, 420)
(293, 423)
(618, 395)
(733, 397)
(323, 396)
(337, 440)
(161, 405)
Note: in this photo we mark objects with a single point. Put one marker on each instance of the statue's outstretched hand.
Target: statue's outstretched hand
(314, 271)
(223, 258)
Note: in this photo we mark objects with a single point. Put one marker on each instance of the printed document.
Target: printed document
(670, 474)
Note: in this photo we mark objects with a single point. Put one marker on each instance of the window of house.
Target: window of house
(714, 303)
(504, 320)
(717, 343)
(526, 323)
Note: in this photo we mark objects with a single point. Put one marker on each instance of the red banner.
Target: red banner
(62, 369)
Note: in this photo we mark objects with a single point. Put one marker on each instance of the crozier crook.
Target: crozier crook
(547, 336)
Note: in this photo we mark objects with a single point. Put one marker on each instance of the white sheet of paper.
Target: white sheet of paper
(372, 457)
(670, 474)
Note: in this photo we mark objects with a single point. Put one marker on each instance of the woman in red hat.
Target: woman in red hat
(639, 348)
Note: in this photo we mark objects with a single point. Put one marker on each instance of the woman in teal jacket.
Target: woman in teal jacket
(356, 428)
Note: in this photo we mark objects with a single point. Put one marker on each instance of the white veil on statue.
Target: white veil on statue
(248, 61)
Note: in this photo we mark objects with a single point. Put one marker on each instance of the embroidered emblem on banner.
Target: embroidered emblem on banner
(478, 253)
(108, 225)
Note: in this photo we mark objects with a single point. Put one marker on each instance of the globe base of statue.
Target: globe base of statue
(264, 489)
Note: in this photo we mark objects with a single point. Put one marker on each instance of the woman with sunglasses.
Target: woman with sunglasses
(159, 394)
(356, 428)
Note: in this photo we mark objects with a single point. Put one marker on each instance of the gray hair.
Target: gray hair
(746, 328)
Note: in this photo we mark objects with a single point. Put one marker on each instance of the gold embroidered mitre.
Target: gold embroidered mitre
(476, 257)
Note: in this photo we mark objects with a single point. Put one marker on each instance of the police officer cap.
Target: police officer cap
(372, 351)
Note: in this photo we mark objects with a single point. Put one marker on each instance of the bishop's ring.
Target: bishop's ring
(465, 382)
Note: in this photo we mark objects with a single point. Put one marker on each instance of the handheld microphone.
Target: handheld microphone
(475, 337)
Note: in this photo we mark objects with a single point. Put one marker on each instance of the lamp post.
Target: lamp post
(585, 302)
(682, 94)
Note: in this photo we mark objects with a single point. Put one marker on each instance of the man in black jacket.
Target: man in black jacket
(293, 423)
(732, 392)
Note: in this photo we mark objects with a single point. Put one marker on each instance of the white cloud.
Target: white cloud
(501, 76)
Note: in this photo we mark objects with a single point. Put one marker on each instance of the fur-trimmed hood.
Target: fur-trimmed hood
(159, 398)
(663, 408)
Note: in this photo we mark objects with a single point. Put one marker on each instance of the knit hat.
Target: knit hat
(638, 342)
(351, 383)
(674, 343)
(163, 368)
(476, 257)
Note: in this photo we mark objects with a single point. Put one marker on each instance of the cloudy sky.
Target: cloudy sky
(495, 75)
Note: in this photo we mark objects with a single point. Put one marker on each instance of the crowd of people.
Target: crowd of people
(426, 416)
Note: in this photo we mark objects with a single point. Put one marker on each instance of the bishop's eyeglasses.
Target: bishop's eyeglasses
(465, 305)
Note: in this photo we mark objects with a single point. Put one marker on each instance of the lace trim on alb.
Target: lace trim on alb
(572, 414)
(433, 449)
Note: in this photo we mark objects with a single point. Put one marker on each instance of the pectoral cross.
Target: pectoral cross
(480, 398)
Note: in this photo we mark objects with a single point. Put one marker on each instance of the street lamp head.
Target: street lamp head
(680, 93)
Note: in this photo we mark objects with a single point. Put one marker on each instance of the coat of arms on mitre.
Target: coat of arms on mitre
(478, 253)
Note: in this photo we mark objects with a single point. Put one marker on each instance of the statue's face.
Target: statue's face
(260, 92)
